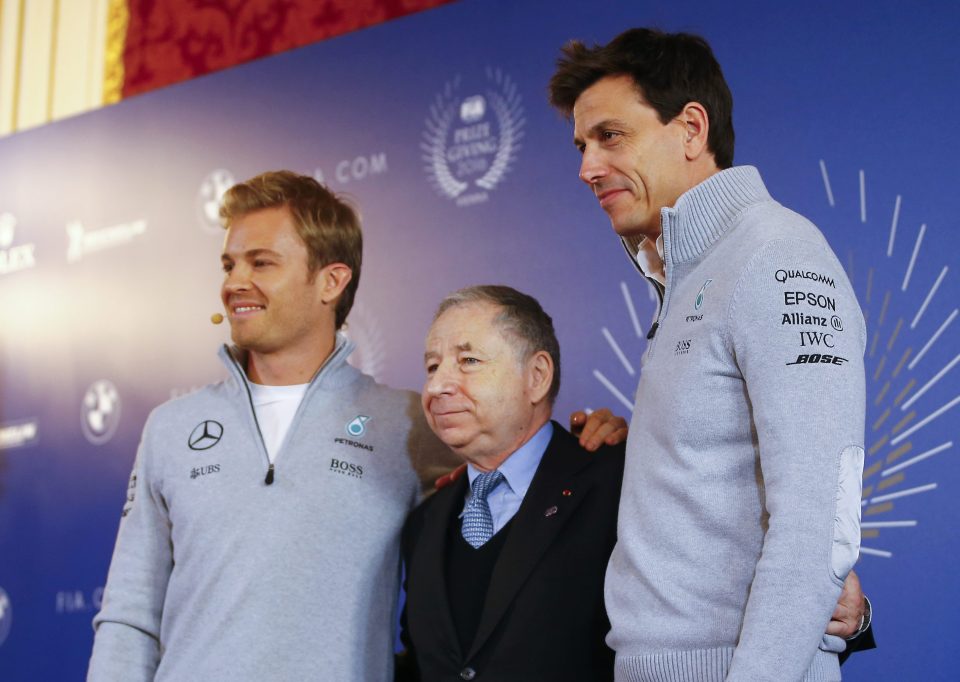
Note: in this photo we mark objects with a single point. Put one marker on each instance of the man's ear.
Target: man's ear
(332, 280)
(539, 375)
(696, 126)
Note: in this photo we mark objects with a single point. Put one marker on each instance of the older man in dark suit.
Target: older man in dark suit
(492, 558)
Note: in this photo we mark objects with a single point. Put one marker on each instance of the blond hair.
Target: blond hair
(327, 224)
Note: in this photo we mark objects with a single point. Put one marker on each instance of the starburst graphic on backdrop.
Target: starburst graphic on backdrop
(898, 374)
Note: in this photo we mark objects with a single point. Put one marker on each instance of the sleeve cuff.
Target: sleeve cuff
(865, 619)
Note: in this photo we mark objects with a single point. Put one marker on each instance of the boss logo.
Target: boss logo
(818, 359)
(346, 468)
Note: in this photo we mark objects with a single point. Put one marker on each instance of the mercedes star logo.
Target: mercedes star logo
(206, 435)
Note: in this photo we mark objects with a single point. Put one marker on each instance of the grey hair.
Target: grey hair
(521, 316)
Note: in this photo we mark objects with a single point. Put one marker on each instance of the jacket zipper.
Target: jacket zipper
(271, 469)
(268, 480)
(661, 295)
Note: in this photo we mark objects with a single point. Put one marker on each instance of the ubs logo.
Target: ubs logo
(207, 434)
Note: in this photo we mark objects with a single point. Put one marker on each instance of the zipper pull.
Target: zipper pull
(269, 479)
(650, 335)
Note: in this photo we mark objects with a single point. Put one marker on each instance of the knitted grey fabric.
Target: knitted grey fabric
(739, 517)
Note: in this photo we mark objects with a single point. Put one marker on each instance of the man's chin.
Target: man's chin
(629, 229)
(454, 438)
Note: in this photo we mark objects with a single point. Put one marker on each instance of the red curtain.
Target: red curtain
(172, 40)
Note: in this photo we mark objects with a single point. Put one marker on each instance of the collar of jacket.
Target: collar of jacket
(334, 371)
(703, 213)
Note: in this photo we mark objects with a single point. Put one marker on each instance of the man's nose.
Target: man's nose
(441, 381)
(592, 166)
(236, 280)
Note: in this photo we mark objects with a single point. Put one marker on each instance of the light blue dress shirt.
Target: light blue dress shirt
(518, 470)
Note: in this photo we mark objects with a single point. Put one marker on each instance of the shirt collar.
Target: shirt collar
(650, 259)
(518, 469)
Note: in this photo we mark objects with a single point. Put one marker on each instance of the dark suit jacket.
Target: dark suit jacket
(543, 618)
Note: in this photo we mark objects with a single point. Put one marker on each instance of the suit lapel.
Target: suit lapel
(535, 526)
(430, 564)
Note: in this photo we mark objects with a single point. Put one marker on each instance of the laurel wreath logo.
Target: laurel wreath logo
(505, 102)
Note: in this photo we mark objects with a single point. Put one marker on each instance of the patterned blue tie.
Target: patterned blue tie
(477, 521)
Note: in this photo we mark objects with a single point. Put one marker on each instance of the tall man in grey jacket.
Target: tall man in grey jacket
(739, 517)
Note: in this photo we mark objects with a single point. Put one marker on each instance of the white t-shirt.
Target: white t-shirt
(275, 407)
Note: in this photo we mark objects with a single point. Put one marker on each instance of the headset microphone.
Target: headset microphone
(216, 318)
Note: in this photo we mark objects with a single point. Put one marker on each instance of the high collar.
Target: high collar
(703, 213)
(333, 372)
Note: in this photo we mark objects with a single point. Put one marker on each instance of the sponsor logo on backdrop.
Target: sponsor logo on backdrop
(19, 434)
(205, 435)
(83, 242)
(79, 601)
(6, 616)
(212, 189)
(911, 404)
(356, 169)
(472, 136)
(13, 258)
(100, 412)
(369, 355)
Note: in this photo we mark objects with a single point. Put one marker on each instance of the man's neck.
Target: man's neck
(289, 366)
(494, 460)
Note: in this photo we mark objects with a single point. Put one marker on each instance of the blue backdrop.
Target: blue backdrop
(438, 125)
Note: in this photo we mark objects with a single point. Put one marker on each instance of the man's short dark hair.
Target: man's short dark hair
(521, 316)
(669, 69)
